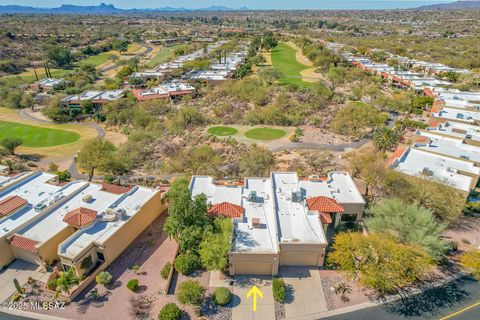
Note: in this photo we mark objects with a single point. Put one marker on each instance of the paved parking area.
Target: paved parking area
(243, 307)
(20, 270)
(305, 297)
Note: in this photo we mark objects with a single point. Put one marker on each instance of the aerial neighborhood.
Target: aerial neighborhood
(310, 161)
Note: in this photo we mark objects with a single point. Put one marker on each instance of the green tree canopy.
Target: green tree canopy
(379, 261)
(470, 261)
(356, 117)
(11, 143)
(256, 162)
(408, 223)
(184, 211)
(385, 139)
(59, 56)
(96, 154)
(215, 246)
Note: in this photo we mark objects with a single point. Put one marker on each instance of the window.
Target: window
(349, 217)
(100, 256)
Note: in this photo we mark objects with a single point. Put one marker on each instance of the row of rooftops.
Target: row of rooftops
(179, 61)
(165, 90)
(94, 96)
(33, 210)
(448, 150)
(279, 209)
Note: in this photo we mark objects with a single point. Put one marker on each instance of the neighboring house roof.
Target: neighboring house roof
(326, 218)
(23, 243)
(324, 204)
(113, 188)
(11, 204)
(396, 154)
(80, 217)
(227, 209)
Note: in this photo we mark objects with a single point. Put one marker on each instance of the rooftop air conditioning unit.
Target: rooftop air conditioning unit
(256, 223)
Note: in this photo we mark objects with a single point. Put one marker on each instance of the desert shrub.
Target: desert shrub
(103, 278)
(166, 270)
(279, 290)
(222, 296)
(133, 285)
(190, 292)
(186, 263)
(170, 312)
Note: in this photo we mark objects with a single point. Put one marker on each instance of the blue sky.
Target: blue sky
(252, 4)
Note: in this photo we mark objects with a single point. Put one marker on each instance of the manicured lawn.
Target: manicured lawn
(285, 61)
(222, 131)
(37, 136)
(165, 54)
(98, 59)
(264, 133)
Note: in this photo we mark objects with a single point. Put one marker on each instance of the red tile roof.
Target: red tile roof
(80, 217)
(115, 189)
(23, 242)
(324, 204)
(396, 154)
(226, 209)
(11, 204)
(325, 218)
(140, 97)
(429, 93)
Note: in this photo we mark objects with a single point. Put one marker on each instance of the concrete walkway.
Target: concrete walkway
(20, 270)
(243, 307)
(305, 297)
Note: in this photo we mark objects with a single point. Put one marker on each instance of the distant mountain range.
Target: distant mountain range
(101, 9)
(453, 5)
(105, 9)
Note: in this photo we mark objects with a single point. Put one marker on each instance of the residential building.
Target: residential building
(173, 91)
(47, 84)
(80, 224)
(460, 174)
(98, 98)
(281, 220)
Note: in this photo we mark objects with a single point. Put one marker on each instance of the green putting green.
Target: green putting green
(284, 60)
(34, 136)
(222, 131)
(265, 133)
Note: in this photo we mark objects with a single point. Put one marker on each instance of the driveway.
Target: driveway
(305, 297)
(20, 270)
(243, 307)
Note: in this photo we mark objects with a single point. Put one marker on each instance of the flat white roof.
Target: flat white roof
(454, 129)
(51, 222)
(262, 239)
(457, 115)
(247, 238)
(413, 162)
(129, 202)
(296, 222)
(449, 146)
(33, 189)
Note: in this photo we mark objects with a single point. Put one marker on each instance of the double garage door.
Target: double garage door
(299, 258)
(254, 268)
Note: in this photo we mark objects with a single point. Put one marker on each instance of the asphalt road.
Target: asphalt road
(457, 300)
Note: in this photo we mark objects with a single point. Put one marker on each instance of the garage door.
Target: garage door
(254, 268)
(26, 256)
(298, 259)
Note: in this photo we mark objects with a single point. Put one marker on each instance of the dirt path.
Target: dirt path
(308, 75)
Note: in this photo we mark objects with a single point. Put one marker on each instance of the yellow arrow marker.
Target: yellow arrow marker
(255, 291)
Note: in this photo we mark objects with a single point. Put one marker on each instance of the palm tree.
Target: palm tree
(385, 139)
(66, 280)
